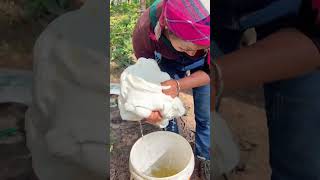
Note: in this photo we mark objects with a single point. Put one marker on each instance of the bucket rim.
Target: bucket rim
(191, 160)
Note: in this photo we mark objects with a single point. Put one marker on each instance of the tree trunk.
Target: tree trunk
(143, 5)
(76, 4)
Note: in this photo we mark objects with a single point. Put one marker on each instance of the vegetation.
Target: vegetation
(122, 21)
(39, 8)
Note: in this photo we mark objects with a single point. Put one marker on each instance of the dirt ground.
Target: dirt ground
(243, 110)
(15, 158)
(249, 127)
(17, 36)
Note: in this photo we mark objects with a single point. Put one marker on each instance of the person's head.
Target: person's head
(186, 23)
(184, 46)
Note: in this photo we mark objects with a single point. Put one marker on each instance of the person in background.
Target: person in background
(176, 34)
(285, 60)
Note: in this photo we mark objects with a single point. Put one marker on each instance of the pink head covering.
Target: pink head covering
(187, 19)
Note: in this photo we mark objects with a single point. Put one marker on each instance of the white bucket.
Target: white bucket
(161, 149)
(226, 153)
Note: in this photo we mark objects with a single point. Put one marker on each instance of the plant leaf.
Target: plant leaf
(53, 7)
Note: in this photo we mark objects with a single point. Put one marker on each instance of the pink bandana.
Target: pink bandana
(187, 19)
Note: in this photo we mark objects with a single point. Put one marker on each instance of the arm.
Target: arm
(200, 77)
(196, 79)
(284, 54)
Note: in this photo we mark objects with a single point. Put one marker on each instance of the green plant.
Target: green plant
(149, 2)
(113, 140)
(122, 21)
(38, 8)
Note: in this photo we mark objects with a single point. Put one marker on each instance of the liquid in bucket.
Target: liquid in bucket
(164, 167)
(163, 171)
(161, 154)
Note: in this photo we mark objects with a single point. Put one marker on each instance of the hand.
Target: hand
(173, 90)
(154, 117)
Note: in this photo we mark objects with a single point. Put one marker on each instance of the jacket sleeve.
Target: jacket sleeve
(142, 44)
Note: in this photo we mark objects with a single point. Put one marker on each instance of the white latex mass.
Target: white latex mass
(141, 93)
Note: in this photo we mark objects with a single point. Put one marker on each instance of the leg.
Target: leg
(201, 97)
(293, 111)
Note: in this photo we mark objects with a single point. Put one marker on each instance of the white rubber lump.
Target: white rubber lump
(141, 93)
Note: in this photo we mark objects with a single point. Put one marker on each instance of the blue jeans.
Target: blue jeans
(201, 96)
(293, 113)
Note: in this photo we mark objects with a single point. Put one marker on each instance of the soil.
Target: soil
(17, 37)
(249, 127)
(15, 157)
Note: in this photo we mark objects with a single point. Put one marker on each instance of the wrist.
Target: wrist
(178, 87)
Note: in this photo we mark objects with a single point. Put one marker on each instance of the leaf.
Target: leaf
(122, 22)
(64, 3)
(53, 7)
(111, 148)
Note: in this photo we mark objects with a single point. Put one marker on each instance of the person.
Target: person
(285, 59)
(176, 34)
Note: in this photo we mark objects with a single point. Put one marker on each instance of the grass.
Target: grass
(122, 21)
